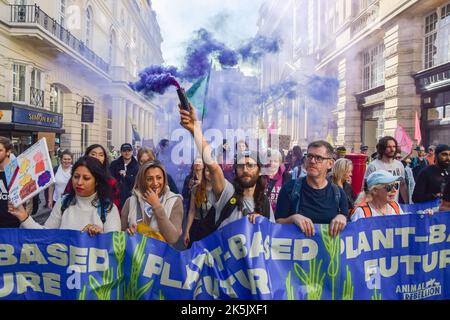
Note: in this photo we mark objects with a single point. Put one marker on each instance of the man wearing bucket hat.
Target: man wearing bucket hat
(432, 180)
(378, 197)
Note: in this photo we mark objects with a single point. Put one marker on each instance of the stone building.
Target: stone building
(65, 67)
(392, 60)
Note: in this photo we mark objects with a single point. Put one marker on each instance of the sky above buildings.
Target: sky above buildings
(231, 21)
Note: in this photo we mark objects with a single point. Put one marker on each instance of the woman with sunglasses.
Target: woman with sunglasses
(378, 197)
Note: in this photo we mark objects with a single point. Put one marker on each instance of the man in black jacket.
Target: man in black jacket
(431, 181)
(124, 170)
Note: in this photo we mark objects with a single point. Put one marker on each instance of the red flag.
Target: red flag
(417, 133)
(404, 141)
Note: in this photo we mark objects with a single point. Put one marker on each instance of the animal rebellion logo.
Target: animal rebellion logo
(420, 291)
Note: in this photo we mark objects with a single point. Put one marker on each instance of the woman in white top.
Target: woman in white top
(153, 210)
(88, 207)
(62, 177)
(378, 197)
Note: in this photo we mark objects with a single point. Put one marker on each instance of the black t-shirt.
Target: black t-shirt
(446, 196)
(7, 220)
(430, 182)
(317, 204)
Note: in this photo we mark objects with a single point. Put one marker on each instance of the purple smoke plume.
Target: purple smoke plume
(323, 89)
(255, 48)
(156, 79)
(286, 87)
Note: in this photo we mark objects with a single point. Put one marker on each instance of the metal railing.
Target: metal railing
(36, 97)
(33, 14)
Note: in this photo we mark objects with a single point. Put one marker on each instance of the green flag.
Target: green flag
(197, 94)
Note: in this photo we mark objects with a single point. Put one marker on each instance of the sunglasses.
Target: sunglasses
(392, 187)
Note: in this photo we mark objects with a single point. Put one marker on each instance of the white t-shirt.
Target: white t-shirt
(248, 206)
(61, 179)
(77, 216)
(396, 168)
(359, 212)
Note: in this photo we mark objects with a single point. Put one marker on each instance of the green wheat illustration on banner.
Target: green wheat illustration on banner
(132, 292)
(313, 279)
(332, 245)
(375, 295)
(289, 287)
(119, 245)
(161, 295)
(348, 290)
(103, 290)
(82, 295)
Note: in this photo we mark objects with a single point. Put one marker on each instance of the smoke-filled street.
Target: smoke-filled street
(224, 150)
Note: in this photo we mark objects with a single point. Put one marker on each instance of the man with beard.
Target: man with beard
(7, 220)
(314, 199)
(432, 180)
(245, 196)
(387, 148)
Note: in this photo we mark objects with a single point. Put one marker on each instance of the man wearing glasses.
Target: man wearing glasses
(432, 180)
(314, 199)
(387, 149)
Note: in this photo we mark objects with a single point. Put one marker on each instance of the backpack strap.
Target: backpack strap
(296, 193)
(337, 196)
(395, 206)
(366, 209)
(227, 210)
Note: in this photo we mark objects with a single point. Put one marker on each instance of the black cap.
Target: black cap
(364, 148)
(125, 147)
(441, 148)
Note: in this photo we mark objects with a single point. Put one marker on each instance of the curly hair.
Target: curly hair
(382, 145)
(102, 188)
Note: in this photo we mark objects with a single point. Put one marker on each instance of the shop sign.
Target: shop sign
(434, 79)
(39, 118)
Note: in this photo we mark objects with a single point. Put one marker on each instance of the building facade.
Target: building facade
(65, 67)
(391, 58)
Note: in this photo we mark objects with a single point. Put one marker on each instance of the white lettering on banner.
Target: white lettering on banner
(257, 279)
(58, 253)
(237, 246)
(281, 248)
(30, 253)
(153, 266)
(7, 257)
(420, 291)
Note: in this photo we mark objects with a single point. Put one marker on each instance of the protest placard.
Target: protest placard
(30, 173)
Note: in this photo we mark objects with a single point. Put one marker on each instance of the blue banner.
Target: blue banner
(380, 258)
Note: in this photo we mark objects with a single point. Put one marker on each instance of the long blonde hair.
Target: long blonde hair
(340, 169)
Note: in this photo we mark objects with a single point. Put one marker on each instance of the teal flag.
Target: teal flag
(197, 94)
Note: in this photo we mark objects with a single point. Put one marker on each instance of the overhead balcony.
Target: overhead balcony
(30, 21)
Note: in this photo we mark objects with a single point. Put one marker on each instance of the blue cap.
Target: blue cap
(380, 177)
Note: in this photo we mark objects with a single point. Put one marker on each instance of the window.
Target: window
(18, 82)
(89, 27)
(109, 129)
(36, 79)
(437, 37)
(373, 67)
(84, 136)
(112, 43)
(62, 13)
(56, 99)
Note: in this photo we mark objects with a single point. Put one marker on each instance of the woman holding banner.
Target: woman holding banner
(153, 210)
(378, 197)
(88, 206)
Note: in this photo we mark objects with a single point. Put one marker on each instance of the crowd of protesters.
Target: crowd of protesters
(135, 193)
